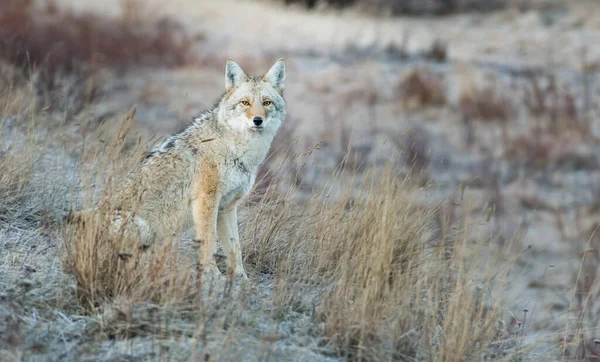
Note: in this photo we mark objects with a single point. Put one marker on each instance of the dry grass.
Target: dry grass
(16, 166)
(422, 88)
(106, 267)
(366, 264)
(559, 132)
(363, 262)
(360, 263)
(360, 272)
(375, 273)
(26, 200)
(63, 41)
(61, 50)
(487, 105)
(359, 268)
(109, 265)
(411, 7)
(554, 105)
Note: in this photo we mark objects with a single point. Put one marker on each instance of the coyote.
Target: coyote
(201, 173)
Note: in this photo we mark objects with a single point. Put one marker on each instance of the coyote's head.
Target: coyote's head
(253, 103)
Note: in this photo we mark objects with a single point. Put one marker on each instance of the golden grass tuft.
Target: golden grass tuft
(17, 209)
(371, 267)
(106, 267)
(109, 263)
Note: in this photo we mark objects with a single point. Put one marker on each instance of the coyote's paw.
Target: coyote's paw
(238, 281)
(236, 273)
(240, 277)
(210, 273)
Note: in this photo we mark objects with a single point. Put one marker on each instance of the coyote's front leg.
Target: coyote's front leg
(205, 206)
(227, 225)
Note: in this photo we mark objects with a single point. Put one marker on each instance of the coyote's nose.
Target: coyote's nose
(258, 121)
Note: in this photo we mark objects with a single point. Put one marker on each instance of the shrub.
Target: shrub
(409, 7)
(64, 49)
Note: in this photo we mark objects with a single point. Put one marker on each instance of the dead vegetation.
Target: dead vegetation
(109, 265)
(422, 88)
(368, 268)
(559, 134)
(16, 165)
(357, 268)
(364, 275)
(61, 51)
(487, 105)
(50, 60)
(362, 271)
(409, 7)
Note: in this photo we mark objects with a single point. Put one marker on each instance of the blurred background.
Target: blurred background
(492, 104)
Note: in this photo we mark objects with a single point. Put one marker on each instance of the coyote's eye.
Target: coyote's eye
(266, 103)
(245, 103)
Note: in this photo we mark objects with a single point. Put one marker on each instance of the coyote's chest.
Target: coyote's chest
(237, 182)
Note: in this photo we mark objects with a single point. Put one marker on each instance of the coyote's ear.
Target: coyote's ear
(234, 75)
(276, 75)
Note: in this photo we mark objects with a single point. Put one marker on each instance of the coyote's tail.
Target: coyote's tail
(120, 223)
